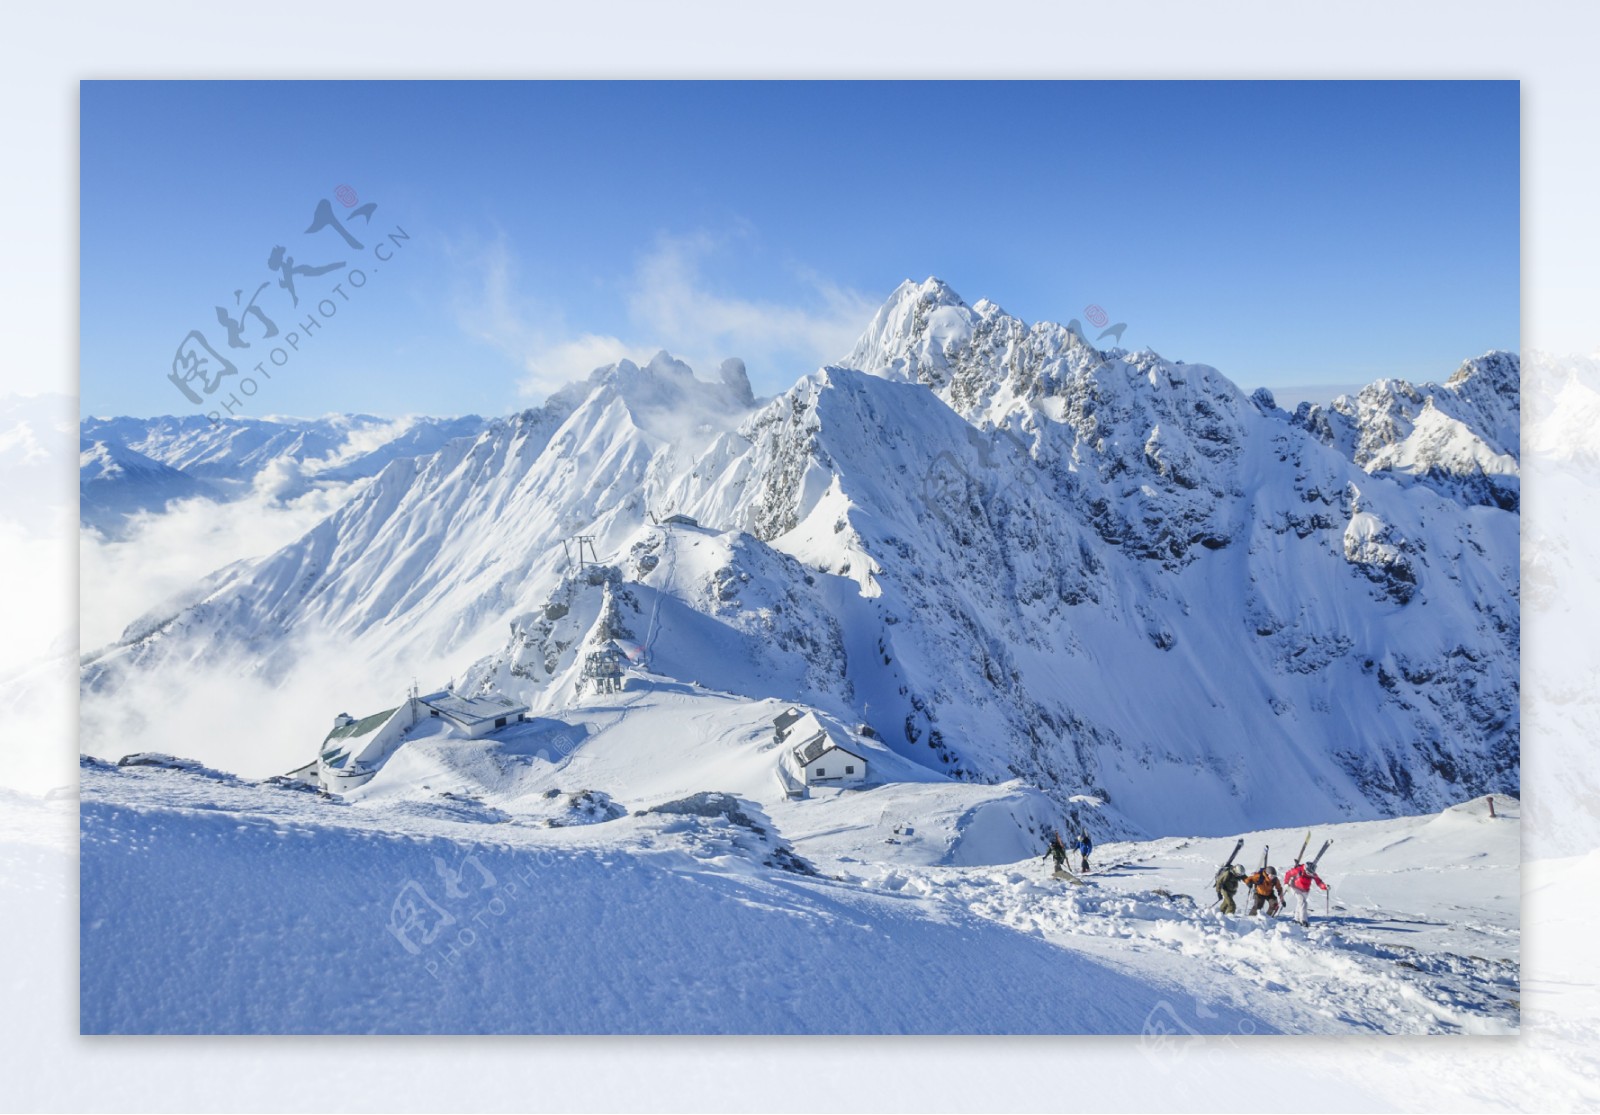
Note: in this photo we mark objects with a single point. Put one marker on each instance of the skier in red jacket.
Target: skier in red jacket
(1298, 880)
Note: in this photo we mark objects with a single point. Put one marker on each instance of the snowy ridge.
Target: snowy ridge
(1180, 494)
(1114, 577)
(237, 449)
(343, 573)
(439, 550)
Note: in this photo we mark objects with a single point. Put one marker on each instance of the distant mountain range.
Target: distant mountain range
(132, 465)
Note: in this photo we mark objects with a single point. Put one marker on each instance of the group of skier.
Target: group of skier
(1057, 850)
(1267, 890)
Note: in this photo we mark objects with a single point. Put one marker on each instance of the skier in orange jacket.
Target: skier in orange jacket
(1266, 891)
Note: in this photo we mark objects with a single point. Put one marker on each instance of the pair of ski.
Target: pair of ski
(1312, 865)
(1063, 874)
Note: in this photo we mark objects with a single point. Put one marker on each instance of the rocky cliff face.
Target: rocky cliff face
(1109, 571)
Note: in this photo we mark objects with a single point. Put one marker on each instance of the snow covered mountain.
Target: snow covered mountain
(1461, 436)
(441, 550)
(35, 436)
(1010, 555)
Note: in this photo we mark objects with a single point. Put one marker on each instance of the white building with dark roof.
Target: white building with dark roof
(813, 757)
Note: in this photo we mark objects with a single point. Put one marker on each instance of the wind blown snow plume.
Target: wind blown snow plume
(1010, 555)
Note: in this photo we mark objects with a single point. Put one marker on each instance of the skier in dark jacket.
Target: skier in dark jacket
(1057, 850)
(1085, 846)
(1228, 880)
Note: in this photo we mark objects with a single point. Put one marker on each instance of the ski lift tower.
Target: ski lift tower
(604, 668)
(581, 541)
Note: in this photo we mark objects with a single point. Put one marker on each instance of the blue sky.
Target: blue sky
(1287, 233)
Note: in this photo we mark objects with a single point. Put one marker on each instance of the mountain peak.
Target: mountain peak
(662, 373)
(1496, 370)
(974, 531)
(933, 290)
(911, 332)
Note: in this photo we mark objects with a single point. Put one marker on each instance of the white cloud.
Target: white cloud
(672, 299)
(673, 303)
(555, 365)
(271, 727)
(165, 555)
(486, 306)
(361, 440)
(490, 309)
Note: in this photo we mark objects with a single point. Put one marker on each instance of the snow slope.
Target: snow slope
(1423, 938)
(214, 905)
(659, 741)
(582, 839)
